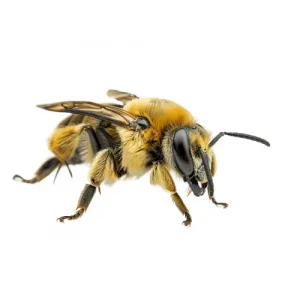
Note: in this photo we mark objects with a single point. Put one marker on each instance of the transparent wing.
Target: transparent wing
(121, 96)
(105, 111)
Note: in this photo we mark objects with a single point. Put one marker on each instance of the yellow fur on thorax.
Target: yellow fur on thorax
(135, 144)
(160, 112)
(134, 151)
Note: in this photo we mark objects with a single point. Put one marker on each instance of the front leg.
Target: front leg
(161, 176)
(223, 204)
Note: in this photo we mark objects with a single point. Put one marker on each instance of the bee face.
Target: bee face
(181, 151)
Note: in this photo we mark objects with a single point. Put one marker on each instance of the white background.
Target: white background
(235, 65)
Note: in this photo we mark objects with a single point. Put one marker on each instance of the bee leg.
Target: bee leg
(44, 170)
(218, 203)
(83, 203)
(65, 140)
(161, 176)
(93, 138)
(104, 167)
(204, 185)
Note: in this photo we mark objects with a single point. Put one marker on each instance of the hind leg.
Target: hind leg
(64, 141)
(44, 170)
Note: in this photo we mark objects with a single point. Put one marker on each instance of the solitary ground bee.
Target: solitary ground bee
(130, 139)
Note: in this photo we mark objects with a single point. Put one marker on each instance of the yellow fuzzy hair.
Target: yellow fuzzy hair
(64, 141)
(160, 112)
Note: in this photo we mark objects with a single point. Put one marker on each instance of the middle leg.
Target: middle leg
(83, 203)
(103, 168)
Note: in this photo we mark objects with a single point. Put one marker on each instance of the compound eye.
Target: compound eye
(182, 152)
(143, 123)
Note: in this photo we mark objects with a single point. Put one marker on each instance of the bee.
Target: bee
(129, 139)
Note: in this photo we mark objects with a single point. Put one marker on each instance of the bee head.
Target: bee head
(182, 152)
(188, 151)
